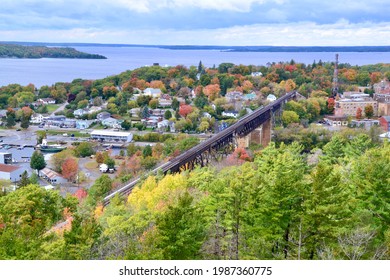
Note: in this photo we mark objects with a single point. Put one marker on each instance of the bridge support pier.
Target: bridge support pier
(260, 136)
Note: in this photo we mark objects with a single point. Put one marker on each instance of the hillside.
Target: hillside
(18, 51)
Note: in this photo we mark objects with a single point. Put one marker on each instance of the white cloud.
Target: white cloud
(341, 33)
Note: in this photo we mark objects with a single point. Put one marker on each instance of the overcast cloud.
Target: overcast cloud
(198, 22)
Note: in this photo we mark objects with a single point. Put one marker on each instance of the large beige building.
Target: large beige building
(348, 107)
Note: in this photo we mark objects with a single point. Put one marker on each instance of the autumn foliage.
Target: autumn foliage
(184, 110)
(70, 169)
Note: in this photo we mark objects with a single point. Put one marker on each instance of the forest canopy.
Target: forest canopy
(18, 51)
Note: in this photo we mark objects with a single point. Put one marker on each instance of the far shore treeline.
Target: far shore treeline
(19, 51)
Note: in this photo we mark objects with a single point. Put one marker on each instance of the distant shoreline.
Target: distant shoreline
(19, 51)
(220, 48)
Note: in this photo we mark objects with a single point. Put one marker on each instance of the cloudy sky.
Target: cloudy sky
(198, 22)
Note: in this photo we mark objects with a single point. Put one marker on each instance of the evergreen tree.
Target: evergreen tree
(180, 230)
(24, 180)
(24, 122)
(10, 121)
(167, 114)
(37, 161)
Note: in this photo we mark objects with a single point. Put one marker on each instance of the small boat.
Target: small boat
(52, 148)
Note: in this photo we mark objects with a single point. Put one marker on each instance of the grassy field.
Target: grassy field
(52, 107)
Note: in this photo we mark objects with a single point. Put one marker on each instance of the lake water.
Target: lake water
(48, 71)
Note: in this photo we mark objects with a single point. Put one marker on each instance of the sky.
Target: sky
(198, 22)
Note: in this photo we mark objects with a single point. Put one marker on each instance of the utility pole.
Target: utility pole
(335, 84)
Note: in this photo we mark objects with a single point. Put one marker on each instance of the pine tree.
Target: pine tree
(37, 161)
(24, 180)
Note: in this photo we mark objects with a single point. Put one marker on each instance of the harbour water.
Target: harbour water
(48, 71)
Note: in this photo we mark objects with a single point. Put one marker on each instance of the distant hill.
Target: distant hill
(23, 51)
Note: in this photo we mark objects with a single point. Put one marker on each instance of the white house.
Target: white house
(10, 172)
(83, 124)
(111, 122)
(47, 101)
(153, 92)
(80, 112)
(36, 118)
(256, 74)
(232, 114)
(271, 97)
(135, 112)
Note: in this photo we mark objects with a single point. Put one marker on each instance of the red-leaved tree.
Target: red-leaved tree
(184, 110)
(69, 169)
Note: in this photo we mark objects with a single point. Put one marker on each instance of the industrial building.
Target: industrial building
(111, 136)
(10, 172)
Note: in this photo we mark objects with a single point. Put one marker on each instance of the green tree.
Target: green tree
(26, 214)
(147, 151)
(110, 162)
(181, 230)
(24, 122)
(37, 161)
(289, 117)
(24, 180)
(84, 149)
(369, 111)
(167, 114)
(126, 125)
(100, 188)
(175, 104)
(328, 211)
(145, 112)
(10, 121)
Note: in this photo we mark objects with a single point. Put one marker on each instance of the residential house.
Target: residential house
(153, 92)
(233, 96)
(207, 115)
(94, 109)
(271, 98)
(11, 172)
(103, 115)
(165, 100)
(54, 120)
(68, 123)
(385, 123)
(165, 124)
(47, 101)
(3, 113)
(231, 114)
(80, 112)
(256, 74)
(135, 112)
(249, 96)
(51, 176)
(36, 118)
(111, 122)
(83, 124)
(157, 112)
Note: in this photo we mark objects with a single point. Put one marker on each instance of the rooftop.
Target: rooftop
(110, 133)
(8, 168)
(50, 173)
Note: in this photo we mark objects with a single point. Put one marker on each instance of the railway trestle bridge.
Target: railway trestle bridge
(252, 128)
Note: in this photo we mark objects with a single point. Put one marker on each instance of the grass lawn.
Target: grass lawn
(52, 107)
(91, 165)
